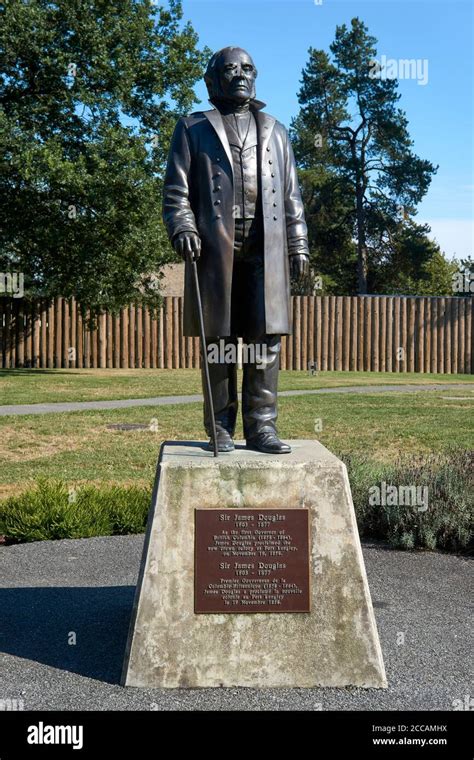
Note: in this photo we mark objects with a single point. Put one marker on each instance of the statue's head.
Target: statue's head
(231, 74)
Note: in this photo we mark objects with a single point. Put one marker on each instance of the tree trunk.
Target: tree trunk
(361, 246)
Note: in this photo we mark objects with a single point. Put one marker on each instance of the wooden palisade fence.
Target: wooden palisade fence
(364, 333)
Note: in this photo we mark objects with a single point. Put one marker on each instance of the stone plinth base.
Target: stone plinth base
(335, 644)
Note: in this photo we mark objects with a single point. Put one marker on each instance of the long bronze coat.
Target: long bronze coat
(199, 196)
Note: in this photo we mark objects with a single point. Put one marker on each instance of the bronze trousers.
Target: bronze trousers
(261, 353)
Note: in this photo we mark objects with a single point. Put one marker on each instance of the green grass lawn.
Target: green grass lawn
(31, 386)
(78, 447)
(110, 472)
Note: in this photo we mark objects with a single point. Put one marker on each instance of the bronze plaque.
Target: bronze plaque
(251, 560)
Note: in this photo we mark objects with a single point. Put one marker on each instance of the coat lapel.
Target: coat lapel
(216, 120)
(265, 124)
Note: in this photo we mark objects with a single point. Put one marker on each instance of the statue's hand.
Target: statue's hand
(188, 245)
(299, 266)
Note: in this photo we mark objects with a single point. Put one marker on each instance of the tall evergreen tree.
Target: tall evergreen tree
(353, 146)
(414, 265)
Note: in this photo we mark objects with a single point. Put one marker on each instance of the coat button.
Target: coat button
(218, 203)
(274, 190)
(216, 188)
(270, 161)
(274, 204)
(268, 149)
(218, 216)
(218, 159)
(275, 218)
(273, 174)
(216, 175)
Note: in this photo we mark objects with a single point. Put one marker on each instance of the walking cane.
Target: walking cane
(204, 355)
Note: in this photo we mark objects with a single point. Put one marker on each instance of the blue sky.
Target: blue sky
(278, 33)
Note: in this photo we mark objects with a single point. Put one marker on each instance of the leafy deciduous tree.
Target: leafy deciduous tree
(89, 93)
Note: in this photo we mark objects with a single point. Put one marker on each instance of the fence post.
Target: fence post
(419, 334)
(468, 365)
(361, 333)
(72, 333)
(110, 341)
(427, 333)
(354, 339)
(434, 335)
(124, 338)
(454, 318)
(389, 334)
(311, 350)
(304, 332)
(296, 333)
(318, 329)
(461, 335)
(161, 338)
(447, 335)
(131, 336)
(374, 352)
(382, 336)
(176, 335)
(338, 334)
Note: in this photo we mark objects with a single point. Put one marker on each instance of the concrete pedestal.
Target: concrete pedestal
(336, 644)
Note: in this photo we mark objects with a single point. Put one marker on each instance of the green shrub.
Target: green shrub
(51, 509)
(448, 520)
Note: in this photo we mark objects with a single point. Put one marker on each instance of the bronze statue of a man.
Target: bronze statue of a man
(232, 202)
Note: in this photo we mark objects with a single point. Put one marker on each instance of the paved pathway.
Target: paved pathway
(51, 588)
(83, 406)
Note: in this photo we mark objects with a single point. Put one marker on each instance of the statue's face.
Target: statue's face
(237, 73)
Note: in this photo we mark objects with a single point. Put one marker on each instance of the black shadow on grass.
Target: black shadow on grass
(37, 623)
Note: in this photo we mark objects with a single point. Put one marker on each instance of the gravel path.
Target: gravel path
(53, 589)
